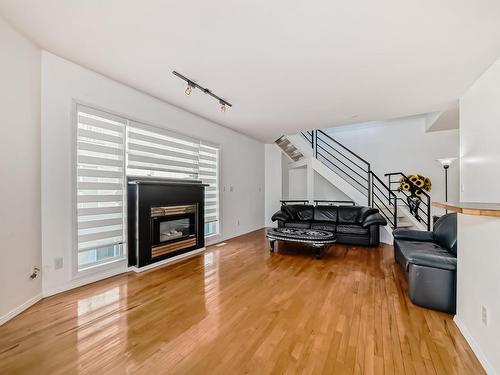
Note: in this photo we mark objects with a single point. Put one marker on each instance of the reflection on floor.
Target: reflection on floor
(238, 309)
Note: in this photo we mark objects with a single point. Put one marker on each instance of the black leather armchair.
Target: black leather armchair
(354, 225)
(429, 260)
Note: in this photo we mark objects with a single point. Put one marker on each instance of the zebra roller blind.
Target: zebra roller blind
(157, 152)
(208, 173)
(100, 186)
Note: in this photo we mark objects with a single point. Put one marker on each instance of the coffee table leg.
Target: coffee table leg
(319, 251)
(271, 243)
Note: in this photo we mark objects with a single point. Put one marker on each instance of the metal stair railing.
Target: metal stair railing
(356, 171)
(385, 200)
(344, 162)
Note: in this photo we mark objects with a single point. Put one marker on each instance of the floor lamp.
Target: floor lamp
(445, 163)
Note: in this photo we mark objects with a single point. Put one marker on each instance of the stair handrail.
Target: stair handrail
(309, 136)
(427, 204)
(341, 145)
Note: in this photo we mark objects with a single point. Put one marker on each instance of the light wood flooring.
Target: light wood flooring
(237, 309)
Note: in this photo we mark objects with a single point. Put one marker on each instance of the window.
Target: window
(100, 187)
(208, 173)
(109, 148)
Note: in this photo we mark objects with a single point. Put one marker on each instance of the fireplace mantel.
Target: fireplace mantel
(156, 181)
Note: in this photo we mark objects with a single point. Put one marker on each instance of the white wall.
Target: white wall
(273, 182)
(323, 189)
(478, 243)
(403, 145)
(20, 247)
(285, 160)
(242, 160)
(297, 183)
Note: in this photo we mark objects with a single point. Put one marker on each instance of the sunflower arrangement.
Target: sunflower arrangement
(414, 184)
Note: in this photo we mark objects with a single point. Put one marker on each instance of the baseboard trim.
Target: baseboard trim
(475, 347)
(89, 279)
(19, 309)
(230, 237)
(167, 261)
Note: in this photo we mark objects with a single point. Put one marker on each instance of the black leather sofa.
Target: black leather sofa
(354, 225)
(429, 261)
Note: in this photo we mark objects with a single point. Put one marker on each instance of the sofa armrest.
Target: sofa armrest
(366, 212)
(428, 259)
(280, 216)
(412, 235)
(373, 219)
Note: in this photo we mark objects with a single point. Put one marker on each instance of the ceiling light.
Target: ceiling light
(191, 85)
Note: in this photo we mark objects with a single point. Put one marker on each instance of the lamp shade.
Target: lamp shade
(446, 162)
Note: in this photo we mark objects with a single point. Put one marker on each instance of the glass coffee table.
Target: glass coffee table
(318, 239)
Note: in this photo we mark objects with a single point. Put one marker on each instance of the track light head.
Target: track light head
(189, 88)
(222, 106)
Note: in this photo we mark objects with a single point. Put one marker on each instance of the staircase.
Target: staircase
(288, 148)
(353, 176)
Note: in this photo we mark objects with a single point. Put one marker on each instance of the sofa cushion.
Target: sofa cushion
(351, 229)
(428, 254)
(348, 215)
(297, 224)
(324, 225)
(325, 213)
(298, 211)
(354, 214)
(445, 232)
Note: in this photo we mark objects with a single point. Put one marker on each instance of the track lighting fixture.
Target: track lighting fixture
(193, 85)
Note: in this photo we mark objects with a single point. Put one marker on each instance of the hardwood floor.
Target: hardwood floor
(238, 309)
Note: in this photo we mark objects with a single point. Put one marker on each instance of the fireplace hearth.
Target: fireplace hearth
(166, 219)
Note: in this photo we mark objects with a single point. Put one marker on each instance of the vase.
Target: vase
(414, 204)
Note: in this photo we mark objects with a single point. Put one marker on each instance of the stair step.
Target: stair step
(405, 224)
(390, 213)
(289, 148)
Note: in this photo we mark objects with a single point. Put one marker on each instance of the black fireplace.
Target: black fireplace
(165, 219)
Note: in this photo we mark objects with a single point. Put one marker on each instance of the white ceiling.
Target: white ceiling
(284, 64)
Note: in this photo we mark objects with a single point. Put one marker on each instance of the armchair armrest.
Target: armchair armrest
(412, 235)
(280, 216)
(373, 219)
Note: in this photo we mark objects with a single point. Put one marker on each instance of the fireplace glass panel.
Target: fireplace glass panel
(174, 229)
